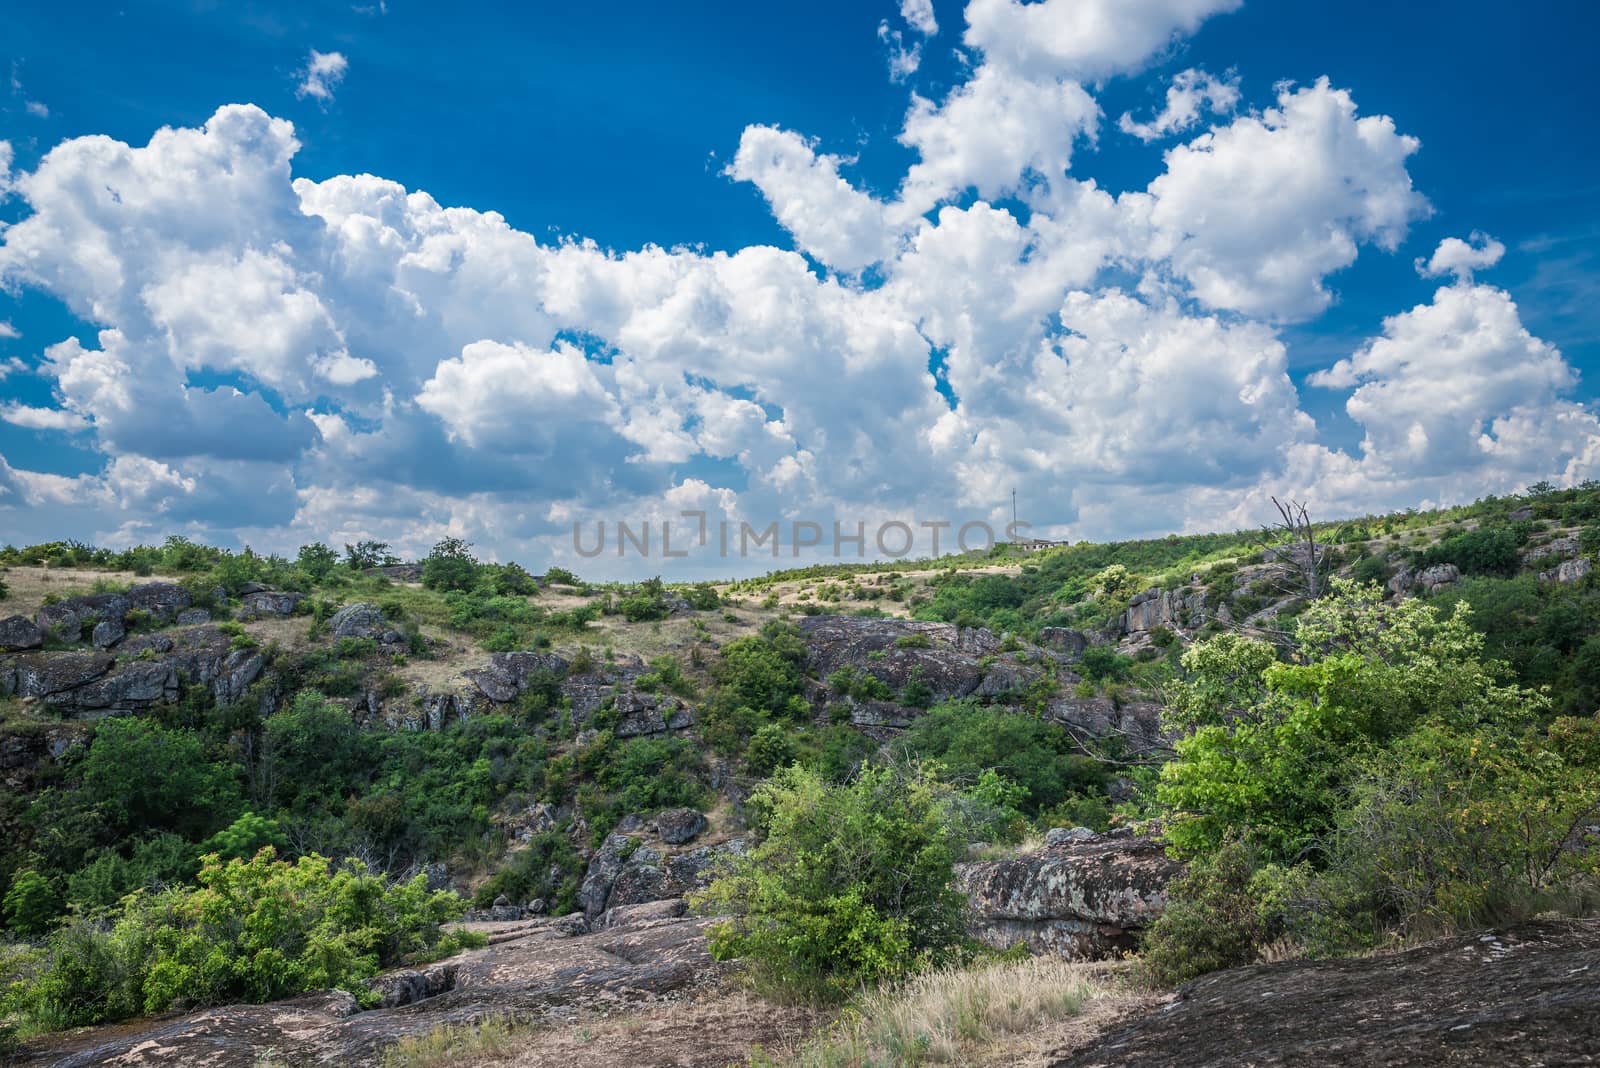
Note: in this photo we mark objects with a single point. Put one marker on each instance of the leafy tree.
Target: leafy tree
(647, 603)
(512, 580)
(967, 739)
(1269, 749)
(369, 554)
(850, 883)
(141, 776)
(32, 903)
(450, 565)
(317, 560)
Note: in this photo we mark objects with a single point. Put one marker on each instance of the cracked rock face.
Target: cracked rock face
(1525, 995)
(1083, 898)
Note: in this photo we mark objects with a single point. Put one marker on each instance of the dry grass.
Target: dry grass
(490, 1042)
(1001, 1013)
(29, 585)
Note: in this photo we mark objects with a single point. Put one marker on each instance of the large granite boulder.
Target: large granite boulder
(1082, 898)
(19, 633)
(627, 870)
(264, 604)
(1568, 571)
(1136, 723)
(508, 675)
(677, 826)
(65, 620)
(163, 601)
(1526, 995)
(364, 620)
(1178, 609)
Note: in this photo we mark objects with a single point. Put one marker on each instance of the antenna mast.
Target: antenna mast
(1013, 513)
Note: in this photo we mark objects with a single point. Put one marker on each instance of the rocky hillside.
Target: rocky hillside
(575, 759)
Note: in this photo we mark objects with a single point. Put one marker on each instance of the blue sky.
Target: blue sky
(624, 127)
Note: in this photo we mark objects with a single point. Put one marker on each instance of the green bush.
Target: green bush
(32, 903)
(547, 867)
(254, 930)
(647, 603)
(450, 566)
(850, 884)
(966, 739)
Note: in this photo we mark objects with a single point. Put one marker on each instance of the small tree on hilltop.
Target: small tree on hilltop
(450, 566)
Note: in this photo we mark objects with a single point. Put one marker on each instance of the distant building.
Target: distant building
(1033, 545)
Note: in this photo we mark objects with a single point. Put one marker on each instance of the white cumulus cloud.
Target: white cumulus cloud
(321, 75)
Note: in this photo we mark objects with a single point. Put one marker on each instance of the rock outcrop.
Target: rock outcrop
(1084, 897)
(146, 670)
(363, 620)
(1525, 995)
(19, 633)
(532, 971)
(1568, 571)
(627, 870)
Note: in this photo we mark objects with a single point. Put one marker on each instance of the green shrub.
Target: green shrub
(32, 903)
(702, 597)
(1217, 916)
(648, 602)
(851, 884)
(1103, 663)
(450, 566)
(254, 930)
(546, 867)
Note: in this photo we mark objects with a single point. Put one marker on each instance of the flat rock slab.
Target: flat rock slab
(541, 974)
(1525, 995)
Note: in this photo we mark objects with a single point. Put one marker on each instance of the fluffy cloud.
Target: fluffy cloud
(1429, 390)
(833, 221)
(1087, 40)
(7, 331)
(280, 359)
(1460, 258)
(1191, 94)
(41, 418)
(919, 16)
(1256, 214)
(321, 75)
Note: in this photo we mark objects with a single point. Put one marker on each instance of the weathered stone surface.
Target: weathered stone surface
(1432, 578)
(409, 986)
(677, 826)
(1519, 996)
(648, 713)
(604, 868)
(509, 674)
(190, 616)
(874, 646)
(19, 633)
(1069, 643)
(107, 633)
(1568, 571)
(1137, 723)
(538, 971)
(162, 600)
(1181, 609)
(363, 620)
(136, 685)
(44, 674)
(265, 603)
(1084, 899)
(635, 915)
(65, 619)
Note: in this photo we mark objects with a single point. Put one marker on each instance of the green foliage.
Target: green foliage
(647, 603)
(512, 580)
(1218, 915)
(547, 867)
(1103, 663)
(560, 576)
(139, 776)
(1269, 749)
(450, 566)
(702, 597)
(317, 561)
(252, 930)
(1489, 550)
(364, 555)
(850, 884)
(967, 740)
(771, 748)
(32, 903)
(860, 685)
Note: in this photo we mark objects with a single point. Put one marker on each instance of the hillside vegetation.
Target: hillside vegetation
(1383, 731)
